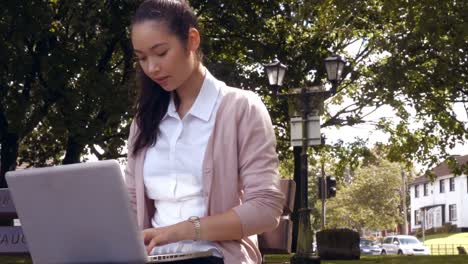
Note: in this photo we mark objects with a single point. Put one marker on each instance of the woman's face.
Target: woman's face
(161, 55)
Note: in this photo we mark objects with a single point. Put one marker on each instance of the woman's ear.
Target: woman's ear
(193, 39)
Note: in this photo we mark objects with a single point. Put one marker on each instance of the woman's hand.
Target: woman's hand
(166, 235)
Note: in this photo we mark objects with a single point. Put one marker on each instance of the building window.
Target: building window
(452, 184)
(426, 189)
(416, 191)
(453, 212)
(417, 217)
(442, 186)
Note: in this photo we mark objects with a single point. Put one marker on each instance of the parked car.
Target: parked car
(403, 245)
(369, 247)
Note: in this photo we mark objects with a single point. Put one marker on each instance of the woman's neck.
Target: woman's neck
(188, 92)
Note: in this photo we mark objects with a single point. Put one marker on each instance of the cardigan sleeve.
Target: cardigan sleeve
(258, 169)
(130, 168)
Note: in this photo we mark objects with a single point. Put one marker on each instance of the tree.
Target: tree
(62, 58)
(421, 73)
(67, 83)
(370, 201)
(31, 78)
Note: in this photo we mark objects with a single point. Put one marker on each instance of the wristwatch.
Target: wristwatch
(195, 220)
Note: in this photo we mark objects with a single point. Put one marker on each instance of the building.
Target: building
(442, 201)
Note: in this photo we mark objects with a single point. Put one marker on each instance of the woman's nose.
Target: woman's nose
(153, 66)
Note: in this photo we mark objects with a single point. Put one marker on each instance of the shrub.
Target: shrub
(446, 228)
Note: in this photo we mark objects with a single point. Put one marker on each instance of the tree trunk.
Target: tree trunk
(74, 150)
(8, 155)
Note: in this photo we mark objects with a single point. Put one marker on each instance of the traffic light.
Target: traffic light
(331, 186)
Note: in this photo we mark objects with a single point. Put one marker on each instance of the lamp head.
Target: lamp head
(335, 66)
(275, 72)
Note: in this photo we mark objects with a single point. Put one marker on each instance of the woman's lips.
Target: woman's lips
(162, 81)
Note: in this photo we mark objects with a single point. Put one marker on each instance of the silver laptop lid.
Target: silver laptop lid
(77, 213)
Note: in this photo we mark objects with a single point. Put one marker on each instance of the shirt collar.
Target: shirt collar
(171, 109)
(203, 106)
(206, 99)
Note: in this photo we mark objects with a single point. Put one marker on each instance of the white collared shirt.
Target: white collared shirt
(173, 167)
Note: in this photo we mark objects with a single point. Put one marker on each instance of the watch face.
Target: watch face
(193, 218)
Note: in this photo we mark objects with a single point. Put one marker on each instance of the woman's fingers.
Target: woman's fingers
(151, 245)
(157, 237)
(147, 236)
(150, 238)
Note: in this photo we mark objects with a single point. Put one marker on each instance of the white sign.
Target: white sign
(313, 131)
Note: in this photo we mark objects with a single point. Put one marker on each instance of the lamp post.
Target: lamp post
(305, 131)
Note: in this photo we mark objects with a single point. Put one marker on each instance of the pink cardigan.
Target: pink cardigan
(240, 172)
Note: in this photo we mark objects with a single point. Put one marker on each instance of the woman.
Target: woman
(202, 166)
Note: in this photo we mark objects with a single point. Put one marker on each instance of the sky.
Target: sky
(349, 134)
(367, 131)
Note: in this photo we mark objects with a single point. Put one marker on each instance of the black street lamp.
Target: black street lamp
(334, 65)
(308, 102)
(275, 72)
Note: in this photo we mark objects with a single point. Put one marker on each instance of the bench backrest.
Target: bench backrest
(12, 240)
(279, 240)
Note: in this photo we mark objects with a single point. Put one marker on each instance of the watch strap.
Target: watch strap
(195, 220)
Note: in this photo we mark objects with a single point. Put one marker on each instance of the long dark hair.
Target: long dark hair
(152, 100)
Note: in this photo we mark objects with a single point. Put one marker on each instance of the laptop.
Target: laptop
(81, 213)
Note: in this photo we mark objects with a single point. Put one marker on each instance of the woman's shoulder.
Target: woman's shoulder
(235, 97)
(243, 104)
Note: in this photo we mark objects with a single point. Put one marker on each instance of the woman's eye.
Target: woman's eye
(140, 59)
(162, 53)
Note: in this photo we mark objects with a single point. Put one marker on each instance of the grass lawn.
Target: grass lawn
(454, 238)
(399, 260)
(15, 260)
(363, 260)
(446, 244)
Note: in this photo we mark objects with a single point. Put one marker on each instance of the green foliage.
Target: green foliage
(445, 229)
(422, 74)
(364, 260)
(371, 200)
(66, 84)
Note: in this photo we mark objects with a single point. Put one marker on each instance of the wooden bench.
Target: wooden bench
(12, 240)
(279, 241)
(461, 250)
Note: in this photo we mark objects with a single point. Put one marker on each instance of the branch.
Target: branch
(466, 108)
(461, 90)
(128, 61)
(363, 54)
(371, 112)
(107, 56)
(95, 152)
(101, 140)
(117, 64)
(334, 120)
(348, 83)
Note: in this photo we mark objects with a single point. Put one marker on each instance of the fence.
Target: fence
(446, 249)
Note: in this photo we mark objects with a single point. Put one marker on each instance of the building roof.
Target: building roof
(441, 170)
(420, 180)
